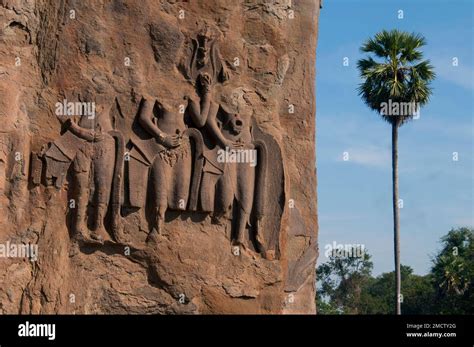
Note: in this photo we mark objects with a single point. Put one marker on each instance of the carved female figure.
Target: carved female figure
(169, 154)
(236, 187)
(227, 186)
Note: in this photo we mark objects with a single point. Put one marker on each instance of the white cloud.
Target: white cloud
(461, 75)
(367, 155)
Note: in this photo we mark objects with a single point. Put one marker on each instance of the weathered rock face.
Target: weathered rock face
(157, 156)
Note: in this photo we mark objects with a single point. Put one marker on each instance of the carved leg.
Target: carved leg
(208, 191)
(197, 169)
(225, 189)
(81, 183)
(116, 194)
(241, 224)
(99, 233)
(103, 176)
(152, 237)
(244, 199)
(161, 173)
(82, 197)
(180, 181)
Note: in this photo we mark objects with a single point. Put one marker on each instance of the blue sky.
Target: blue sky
(354, 196)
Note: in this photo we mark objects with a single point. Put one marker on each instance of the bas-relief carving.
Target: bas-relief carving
(167, 152)
(176, 153)
(93, 152)
(228, 187)
(203, 58)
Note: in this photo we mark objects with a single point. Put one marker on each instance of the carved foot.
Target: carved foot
(97, 236)
(160, 220)
(239, 241)
(81, 235)
(239, 244)
(156, 231)
(86, 237)
(152, 238)
(219, 218)
(119, 235)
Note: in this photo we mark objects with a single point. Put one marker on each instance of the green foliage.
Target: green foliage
(417, 293)
(346, 286)
(324, 306)
(342, 280)
(453, 272)
(397, 72)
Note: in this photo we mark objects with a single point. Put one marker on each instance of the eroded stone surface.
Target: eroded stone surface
(132, 210)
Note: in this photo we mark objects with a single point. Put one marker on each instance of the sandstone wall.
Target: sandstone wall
(116, 53)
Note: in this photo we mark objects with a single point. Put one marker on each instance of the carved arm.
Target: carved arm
(214, 128)
(79, 131)
(145, 118)
(200, 112)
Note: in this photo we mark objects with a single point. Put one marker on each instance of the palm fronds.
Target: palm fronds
(394, 73)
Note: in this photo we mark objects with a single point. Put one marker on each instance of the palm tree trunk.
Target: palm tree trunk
(396, 219)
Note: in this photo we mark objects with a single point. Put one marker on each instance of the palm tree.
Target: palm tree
(454, 272)
(395, 84)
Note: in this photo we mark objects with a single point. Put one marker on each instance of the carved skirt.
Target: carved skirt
(171, 173)
(170, 170)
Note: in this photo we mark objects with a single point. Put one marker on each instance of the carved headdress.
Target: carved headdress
(203, 56)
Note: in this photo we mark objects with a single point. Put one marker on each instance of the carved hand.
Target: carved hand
(171, 141)
(206, 82)
(98, 136)
(232, 145)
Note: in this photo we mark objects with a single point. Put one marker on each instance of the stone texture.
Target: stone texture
(115, 53)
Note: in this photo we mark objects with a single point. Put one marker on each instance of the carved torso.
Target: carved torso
(170, 121)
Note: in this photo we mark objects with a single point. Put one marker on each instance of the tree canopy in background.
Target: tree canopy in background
(346, 284)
